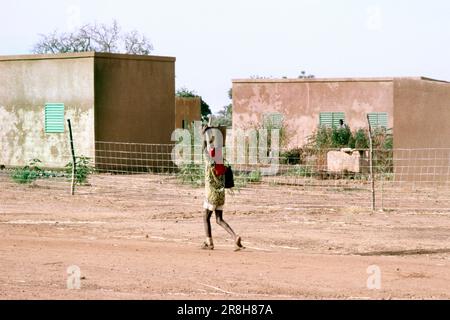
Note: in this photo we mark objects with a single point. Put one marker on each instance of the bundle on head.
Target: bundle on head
(210, 134)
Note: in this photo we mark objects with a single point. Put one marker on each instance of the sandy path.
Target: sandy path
(145, 246)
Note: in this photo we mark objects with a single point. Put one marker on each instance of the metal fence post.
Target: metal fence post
(382, 192)
(372, 177)
(74, 161)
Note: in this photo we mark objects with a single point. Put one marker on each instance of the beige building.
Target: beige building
(418, 109)
(108, 97)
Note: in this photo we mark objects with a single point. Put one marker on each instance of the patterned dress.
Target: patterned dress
(214, 189)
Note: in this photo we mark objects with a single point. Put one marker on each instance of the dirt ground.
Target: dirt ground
(139, 238)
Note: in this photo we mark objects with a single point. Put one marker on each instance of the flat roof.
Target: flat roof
(82, 55)
(385, 79)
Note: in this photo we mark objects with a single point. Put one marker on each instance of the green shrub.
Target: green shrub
(29, 173)
(84, 168)
(332, 138)
(383, 144)
(254, 176)
(321, 139)
(383, 139)
(389, 143)
(361, 140)
(193, 174)
(292, 157)
(243, 178)
(340, 137)
(301, 171)
(24, 175)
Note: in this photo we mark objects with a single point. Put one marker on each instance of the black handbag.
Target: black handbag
(229, 178)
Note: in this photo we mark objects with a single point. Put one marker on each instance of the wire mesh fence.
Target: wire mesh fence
(403, 179)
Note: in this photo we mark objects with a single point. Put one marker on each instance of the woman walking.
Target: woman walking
(215, 188)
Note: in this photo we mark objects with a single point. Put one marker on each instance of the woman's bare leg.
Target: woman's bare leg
(226, 226)
(223, 224)
(207, 223)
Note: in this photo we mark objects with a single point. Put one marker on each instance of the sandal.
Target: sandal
(238, 245)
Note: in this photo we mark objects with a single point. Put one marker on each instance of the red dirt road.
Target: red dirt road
(145, 245)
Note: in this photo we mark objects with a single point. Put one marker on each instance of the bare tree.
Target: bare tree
(61, 43)
(94, 37)
(107, 38)
(137, 44)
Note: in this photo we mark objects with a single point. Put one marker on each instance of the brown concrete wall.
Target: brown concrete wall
(422, 123)
(301, 102)
(27, 83)
(134, 98)
(134, 103)
(422, 114)
(188, 109)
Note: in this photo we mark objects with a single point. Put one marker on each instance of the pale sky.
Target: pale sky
(216, 41)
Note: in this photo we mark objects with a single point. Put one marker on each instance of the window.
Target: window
(273, 120)
(378, 119)
(331, 119)
(54, 118)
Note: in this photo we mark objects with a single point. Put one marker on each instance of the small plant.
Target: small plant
(84, 168)
(340, 137)
(325, 138)
(248, 177)
(301, 171)
(320, 139)
(291, 157)
(24, 176)
(29, 173)
(360, 140)
(192, 174)
(255, 176)
(34, 165)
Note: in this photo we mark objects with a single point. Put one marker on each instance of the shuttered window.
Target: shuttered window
(54, 118)
(378, 119)
(331, 119)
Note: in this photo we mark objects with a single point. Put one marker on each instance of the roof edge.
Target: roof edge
(294, 80)
(319, 80)
(434, 80)
(83, 55)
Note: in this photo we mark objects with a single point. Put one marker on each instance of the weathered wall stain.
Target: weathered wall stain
(27, 85)
(302, 101)
(106, 96)
(418, 110)
(25, 138)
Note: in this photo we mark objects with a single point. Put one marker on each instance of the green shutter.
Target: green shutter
(331, 119)
(373, 120)
(326, 119)
(383, 120)
(337, 117)
(378, 120)
(54, 118)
